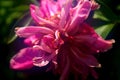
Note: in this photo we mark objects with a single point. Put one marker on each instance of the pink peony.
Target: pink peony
(61, 38)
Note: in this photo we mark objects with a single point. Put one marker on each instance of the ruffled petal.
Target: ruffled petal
(47, 43)
(31, 30)
(50, 43)
(33, 40)
(80, 13)
(40, 19)
(89, 38)
(103, 45)
(61, 2)
(51, 7)
(39, 61)
(24, 59)
(96, 43)
(46, 58)
(65, 12)
(89, 60)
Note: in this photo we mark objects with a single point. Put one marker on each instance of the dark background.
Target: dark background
(10, 17)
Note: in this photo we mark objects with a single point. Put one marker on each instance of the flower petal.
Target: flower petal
(89, 60)
(36, 15)
(50, 43)
(24, 59)
(91, 39)
(33, 40)
(47, 43)
(61, 2)
(81, 12)
(65, 12)
(39, 61)
(51, 7)
(44, 60)
(31, 30)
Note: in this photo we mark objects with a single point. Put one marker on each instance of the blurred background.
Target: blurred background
(13, 13)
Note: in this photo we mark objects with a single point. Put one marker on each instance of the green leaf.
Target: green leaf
(25, 20)
(6, 3)
(107, 12)
(11, 39)
(118, 7)
(20, 8)
(13, 16)
(99, 15)
(104, 29)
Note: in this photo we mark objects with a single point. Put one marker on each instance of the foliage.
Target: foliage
(10, 11)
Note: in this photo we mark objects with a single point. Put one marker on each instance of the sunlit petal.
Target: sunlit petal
(24, 58)
(31, 30)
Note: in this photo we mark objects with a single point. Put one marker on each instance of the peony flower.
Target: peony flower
(62, 38)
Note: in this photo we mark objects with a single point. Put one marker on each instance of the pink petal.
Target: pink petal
(43, 61)
(81, 12)
(94, 5)
(39, 61)
(33, 40)
(61, 2)
(65, 12)
(53, 7)
(36, 15)
(44, 7)
(50, 7)
(88, 37)
(32, 30)
(46, 58)
(89, 60)
(24, 59)
(103, 45)
(85, 28)
(50, 43)
(48, 39)
(47, 43)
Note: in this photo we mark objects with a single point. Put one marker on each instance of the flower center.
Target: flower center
(67, 38)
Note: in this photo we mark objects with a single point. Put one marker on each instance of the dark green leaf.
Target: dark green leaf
(25, 20)
(99, 15)
(106, 12)
(104, 29)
